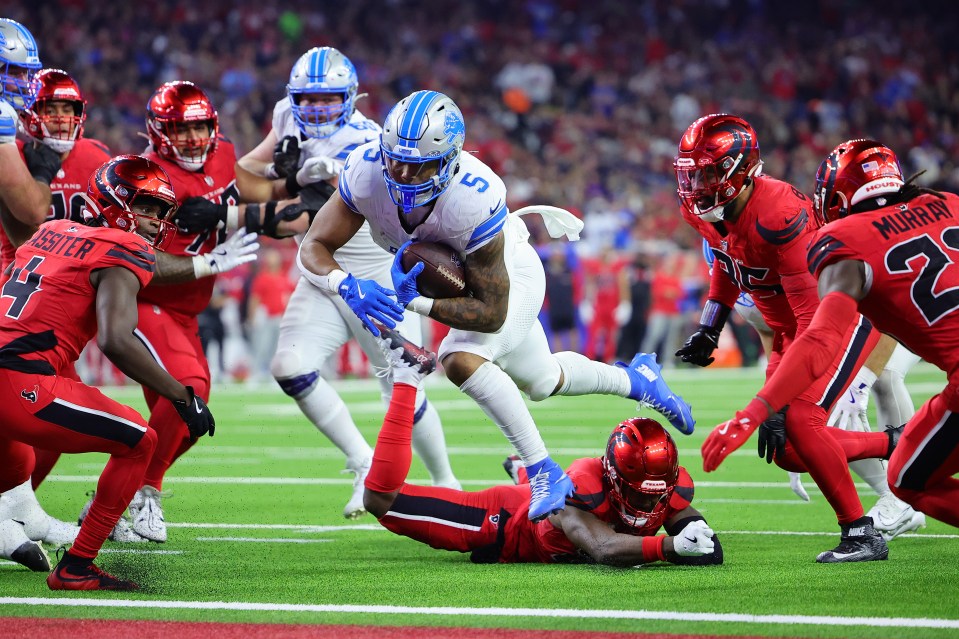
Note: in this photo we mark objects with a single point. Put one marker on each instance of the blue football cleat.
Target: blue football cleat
(648, 387)
(549, 487)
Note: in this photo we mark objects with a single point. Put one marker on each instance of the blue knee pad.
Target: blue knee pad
(418, 415)
(297, 387)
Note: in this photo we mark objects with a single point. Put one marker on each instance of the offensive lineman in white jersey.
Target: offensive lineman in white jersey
(414, 184)
(314, 130)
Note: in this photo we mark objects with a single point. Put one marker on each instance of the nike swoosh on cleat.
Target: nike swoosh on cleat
(846, 555)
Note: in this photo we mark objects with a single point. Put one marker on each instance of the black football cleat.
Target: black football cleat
(77, 573)
(860, 541)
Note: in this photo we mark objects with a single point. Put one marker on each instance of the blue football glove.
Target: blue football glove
(403, 282)
(369, 301)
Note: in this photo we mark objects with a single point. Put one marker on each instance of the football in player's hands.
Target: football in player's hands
(443, 274)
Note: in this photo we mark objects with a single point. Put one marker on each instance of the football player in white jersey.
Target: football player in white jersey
(314, 129)
(414, 183)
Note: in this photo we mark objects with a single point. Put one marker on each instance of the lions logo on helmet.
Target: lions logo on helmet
(420, 146)
(19, 61)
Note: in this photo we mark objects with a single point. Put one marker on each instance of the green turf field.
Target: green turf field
(257, 535)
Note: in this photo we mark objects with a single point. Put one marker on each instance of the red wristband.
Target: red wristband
(653, 549)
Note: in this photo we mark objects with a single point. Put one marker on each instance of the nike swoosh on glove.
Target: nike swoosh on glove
(370, 301)
(732, 434)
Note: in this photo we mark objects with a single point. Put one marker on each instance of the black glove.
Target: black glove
(316, 194)
(772, 436)
(703, 342)
(700, 346)
(196, 414)
(197, 214)
(286, 156)
(42, 162)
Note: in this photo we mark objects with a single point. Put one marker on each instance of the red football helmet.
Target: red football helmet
(42, 122)
(641, 466)
(124, 181)
(717, 156)
(854, 171)
(171, 113)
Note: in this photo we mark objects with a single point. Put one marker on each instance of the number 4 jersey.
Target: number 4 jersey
(912, 279)
(48, 305)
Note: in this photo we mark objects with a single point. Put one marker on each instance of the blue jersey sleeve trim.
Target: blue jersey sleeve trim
(489, 228)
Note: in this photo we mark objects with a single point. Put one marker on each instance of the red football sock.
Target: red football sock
(44, 464)
(393, 453)
(855, 445)
(119, 480)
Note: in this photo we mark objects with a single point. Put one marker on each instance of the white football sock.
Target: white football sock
(583, 376)
(873, 472)
(500, 399)
(324, 407)
(894, 406)
(20, 503)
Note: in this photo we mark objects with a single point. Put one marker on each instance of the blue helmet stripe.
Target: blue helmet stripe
(413, 119)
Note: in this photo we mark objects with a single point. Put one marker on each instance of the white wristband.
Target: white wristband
(421, 305)
(201, 267)
(330, 282)
(232, 218)
(866, 376)
(270, 171)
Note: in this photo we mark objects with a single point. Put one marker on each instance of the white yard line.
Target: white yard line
(516, 613)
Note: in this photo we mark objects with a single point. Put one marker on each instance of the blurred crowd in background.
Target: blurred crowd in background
(576, 103)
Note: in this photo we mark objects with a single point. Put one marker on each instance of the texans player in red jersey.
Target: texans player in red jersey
(887, 249)
(619, 502)
(758, 228)
(183, 129)
(56, 121)
(69, 283)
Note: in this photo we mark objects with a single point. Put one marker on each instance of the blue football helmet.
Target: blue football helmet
(422, 140)
(19, 63)
(322, 70)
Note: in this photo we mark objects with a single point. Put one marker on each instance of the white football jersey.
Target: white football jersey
(360, 256)
(466, 216)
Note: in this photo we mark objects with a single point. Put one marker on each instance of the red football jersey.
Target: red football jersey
(911, 254)
(763, 253)
(542, 542)
(216, 182)
(49, 304)
(87, 156)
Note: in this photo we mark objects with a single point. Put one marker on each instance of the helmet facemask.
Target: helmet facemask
(641, 469)
(718, 156)
(19, 63)
(420, 148)
(175, 115)
(322, 71)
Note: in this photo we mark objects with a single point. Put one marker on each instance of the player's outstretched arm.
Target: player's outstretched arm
(606, 546)
(678, 523)
(240, 248)
(117, 317)
(488, 279)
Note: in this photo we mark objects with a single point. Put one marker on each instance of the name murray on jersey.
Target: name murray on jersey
(910, 218)
(62, 244)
